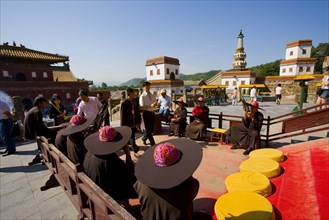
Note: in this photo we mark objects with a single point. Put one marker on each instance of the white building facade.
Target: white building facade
(163, 73)
(297, 59)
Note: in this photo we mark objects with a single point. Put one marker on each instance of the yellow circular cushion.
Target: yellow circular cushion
(249, 182)
(243, 205)
(267, 153)
(268, 167)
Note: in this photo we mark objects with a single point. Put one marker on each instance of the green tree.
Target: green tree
(320, 52)
(104, 85)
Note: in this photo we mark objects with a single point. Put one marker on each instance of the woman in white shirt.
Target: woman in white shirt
(278, 94)
(323, 97)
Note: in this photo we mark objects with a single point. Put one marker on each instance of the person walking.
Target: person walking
(323, 96)
(278, 94)
(253, 94)
(235, 97)
(130, 116)
(6, 124)
(148, 104)
(104, 112)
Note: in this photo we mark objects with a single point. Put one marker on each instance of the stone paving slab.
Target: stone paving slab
(20, 195)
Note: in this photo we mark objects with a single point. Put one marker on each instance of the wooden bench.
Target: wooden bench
(88, 198)
(219, 131)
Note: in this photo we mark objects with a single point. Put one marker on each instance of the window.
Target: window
(158, 72)
(291, 53)
(5, 73)
(283, 70)
(300, 69)
(226, 83)
(176, 71)
(151, 72)
(234, 83)
(45, 75)
(308, 69)
(167, 71)
(34, 74)
(304, 51)
(68, 95)
(290, 70)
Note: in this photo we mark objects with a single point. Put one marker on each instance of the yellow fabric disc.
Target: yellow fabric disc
(268, 167)
(243, 205)
(249, 182)
(268, 153)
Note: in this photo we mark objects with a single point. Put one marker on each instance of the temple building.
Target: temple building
(27, 73)
(163, 73)
(298, 59)
(239, 74)
(297, 62)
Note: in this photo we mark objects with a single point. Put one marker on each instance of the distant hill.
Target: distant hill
(133, 82)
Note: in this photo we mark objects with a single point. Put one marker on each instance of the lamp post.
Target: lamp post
(302, 79)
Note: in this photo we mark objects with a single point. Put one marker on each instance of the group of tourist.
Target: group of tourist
(162, 179)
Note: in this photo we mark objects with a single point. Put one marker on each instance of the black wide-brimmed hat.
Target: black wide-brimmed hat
(108, 140)
(180, 100)
(78, 123)
(169, 163)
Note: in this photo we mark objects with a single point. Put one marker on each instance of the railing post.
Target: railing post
(220, 120)
(267, 131)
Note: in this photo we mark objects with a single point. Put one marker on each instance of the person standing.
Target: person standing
(235, 97)
(130, 116)
(148, 104)
(253, 94)
(89, 105)
(6, 124)
(278, 94)
(164, 102)
(324, 95)
(57, 110)
(104, 112)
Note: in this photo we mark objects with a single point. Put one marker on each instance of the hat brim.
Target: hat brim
(176, 102)
(167, 177)
(71, 129)
(97, 147)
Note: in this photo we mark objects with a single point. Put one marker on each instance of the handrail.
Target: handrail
(88, 198)
(268, 134)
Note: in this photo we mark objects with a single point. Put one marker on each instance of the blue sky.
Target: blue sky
(110, 41)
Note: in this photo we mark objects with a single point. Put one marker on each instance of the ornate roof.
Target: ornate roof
(21, 52)
(64, 76)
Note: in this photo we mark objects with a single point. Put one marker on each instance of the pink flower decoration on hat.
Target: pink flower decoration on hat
(107, 133)
(166, 154)
(201, 99)
(77, 120)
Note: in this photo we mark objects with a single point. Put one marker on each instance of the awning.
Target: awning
(213, 86)
(252, 85)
